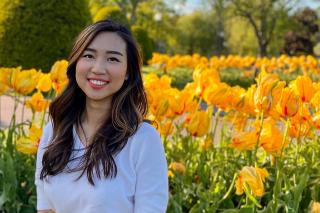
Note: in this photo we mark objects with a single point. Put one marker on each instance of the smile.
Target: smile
(97, 82)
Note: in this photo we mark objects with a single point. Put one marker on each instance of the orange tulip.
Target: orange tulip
(253, 178)
(271, 138)
(200, 122)
(303, 87)
(315, 208)
(204, 78)
(289, 103)
(166, 128)
(297, 130)
(218, 94)
(266, 94)
(178, 167)
(245, 140)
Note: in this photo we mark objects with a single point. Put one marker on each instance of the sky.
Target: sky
(196, 4)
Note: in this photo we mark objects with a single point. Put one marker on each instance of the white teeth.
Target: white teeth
(96, 82)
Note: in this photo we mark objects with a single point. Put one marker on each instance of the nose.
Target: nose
(99, 67)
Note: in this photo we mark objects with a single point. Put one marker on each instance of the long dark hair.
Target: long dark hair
(128, 109)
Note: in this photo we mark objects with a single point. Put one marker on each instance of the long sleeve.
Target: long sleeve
(42, 202)
(152, 189)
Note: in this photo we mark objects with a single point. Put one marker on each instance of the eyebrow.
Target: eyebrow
(108, 51)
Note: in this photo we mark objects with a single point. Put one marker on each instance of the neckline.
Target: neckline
(77, 137)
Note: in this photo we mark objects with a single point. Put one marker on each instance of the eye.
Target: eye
(86, 55)
(113, 59)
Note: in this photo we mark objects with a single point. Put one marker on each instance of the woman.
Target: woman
(97, 154)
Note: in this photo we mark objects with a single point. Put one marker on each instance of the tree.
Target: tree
(196, 34)
(36, 33)
(263, 16)
(220, 15)
(301, 40)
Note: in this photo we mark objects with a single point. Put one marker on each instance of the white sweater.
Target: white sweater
(141, 184)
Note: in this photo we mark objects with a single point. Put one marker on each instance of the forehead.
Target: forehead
(108, 41)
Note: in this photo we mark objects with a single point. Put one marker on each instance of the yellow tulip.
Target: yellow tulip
(170, 174)
(25, 81)
(58, 75)
(253, 178)
(289, 103)
(45, 83)
(5, 76)
(200, 123)
(315, 208)
(3, 88)
(303, 87)
(37, 102)
(29, 145)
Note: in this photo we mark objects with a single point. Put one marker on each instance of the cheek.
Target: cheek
(80, 73)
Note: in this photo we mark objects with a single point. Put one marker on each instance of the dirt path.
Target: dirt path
(7, 108)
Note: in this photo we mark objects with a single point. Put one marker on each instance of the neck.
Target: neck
(96, 113)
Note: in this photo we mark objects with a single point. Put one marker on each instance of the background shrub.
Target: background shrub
(36, 33)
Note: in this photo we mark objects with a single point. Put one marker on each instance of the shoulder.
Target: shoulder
(145, 136)
(146, 132)
(47, 132)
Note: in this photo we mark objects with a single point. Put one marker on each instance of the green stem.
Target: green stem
(215, 125)
(277, 186)
(258, 139)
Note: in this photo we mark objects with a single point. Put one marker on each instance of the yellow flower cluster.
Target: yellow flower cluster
(25, 82)
(32, 81)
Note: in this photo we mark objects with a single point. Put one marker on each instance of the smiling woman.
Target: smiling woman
(98, 154)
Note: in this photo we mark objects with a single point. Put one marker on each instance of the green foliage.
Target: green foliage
(180, 76)
(17, 189)
(111, 12)
(36, 33)
(145, 42)
(196, 34)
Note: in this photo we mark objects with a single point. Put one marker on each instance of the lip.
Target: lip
(94, 86)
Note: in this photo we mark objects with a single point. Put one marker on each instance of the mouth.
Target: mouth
(97, 84)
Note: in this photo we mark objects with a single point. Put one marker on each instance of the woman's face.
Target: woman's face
(102, 68)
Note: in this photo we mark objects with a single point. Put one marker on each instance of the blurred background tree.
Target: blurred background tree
(263, 16)
(36, 33)
(302, 39)
(216, 27)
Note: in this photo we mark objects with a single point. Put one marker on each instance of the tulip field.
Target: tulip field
(229, 149)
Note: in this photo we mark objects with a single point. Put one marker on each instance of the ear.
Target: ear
(126, 78)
